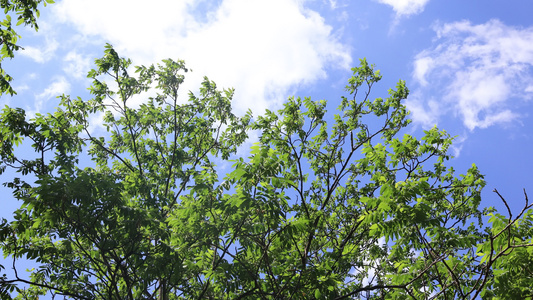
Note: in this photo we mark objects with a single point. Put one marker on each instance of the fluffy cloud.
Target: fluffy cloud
(76, 65)
(41, 54)
(265, 49)
(59, 86)
(406, 7)
(479, 71)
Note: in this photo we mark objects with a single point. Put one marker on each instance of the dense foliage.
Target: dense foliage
(332, 206)
(26, 12)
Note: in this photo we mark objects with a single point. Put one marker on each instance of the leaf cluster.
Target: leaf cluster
(26, 12)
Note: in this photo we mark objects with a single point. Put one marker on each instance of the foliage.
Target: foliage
(325, 206)
(27, 14)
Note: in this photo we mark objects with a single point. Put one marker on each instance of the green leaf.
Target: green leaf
(318, 294)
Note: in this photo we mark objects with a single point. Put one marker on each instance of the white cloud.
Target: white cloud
(59, 86)
(265, 49)
(76, 65)
(478, 71)
(22, 88)
(422, 66)
(406, 7)
(41, 54)
(334, 4)
(458, 143)
(425, 111)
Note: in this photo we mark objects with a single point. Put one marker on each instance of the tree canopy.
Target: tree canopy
(335, 204)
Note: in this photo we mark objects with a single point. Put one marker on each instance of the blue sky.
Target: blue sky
(468, 64)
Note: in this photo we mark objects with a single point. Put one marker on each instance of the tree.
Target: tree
(348, 211)
(27, 13)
